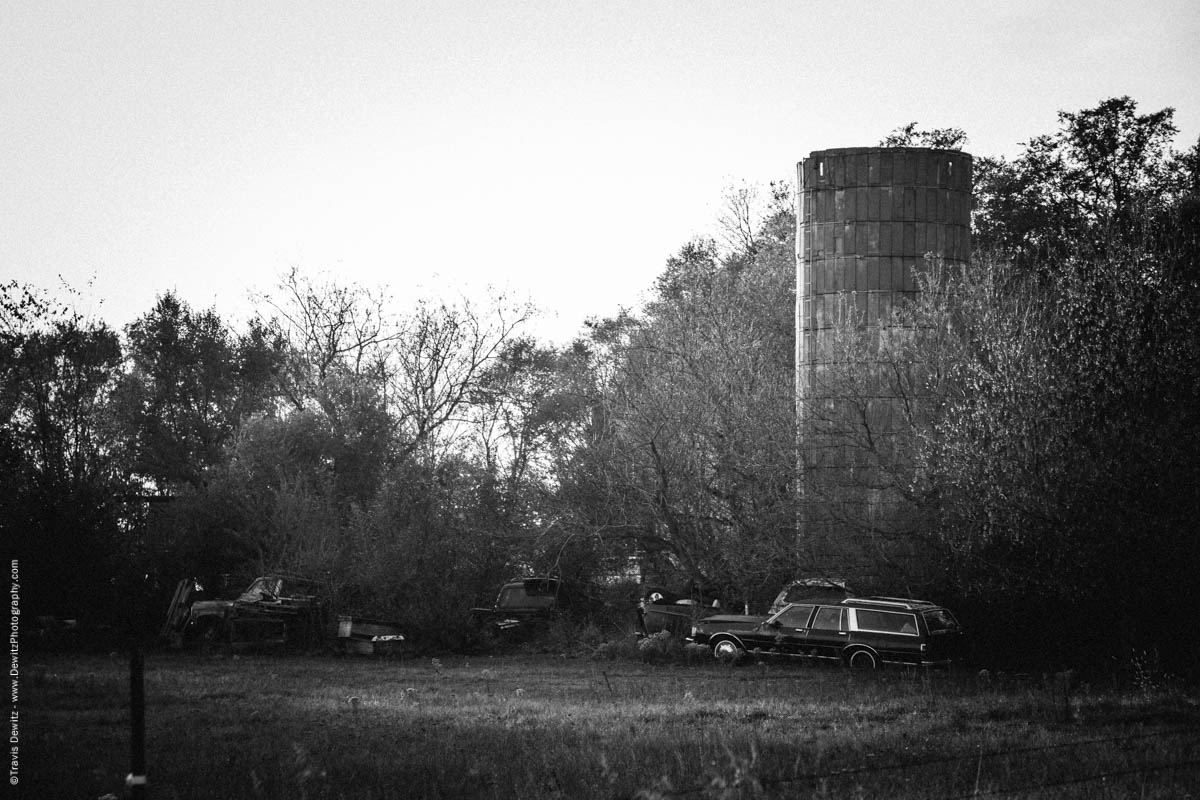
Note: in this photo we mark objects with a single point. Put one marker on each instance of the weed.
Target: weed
(518, 727)
(620, 649)
(736, 777)
(1148, 675)
(660, 647)
(489, 678)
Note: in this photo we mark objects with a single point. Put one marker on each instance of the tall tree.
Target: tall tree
(444, 355)
(362, 365)
(61, 501)
(189, 383)
(1059, 445)
(1092, 185)
(695, 440)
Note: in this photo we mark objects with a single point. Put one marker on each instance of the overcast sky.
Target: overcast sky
(560, 150)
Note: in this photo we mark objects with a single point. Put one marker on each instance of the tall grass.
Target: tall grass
(285, 727)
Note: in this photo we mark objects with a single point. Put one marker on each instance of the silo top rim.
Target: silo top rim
(845, 151)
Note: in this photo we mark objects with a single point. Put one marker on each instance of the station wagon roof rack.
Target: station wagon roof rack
(906, 603)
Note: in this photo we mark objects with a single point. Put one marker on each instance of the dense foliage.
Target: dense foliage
(1043, 456)
(1058, 461)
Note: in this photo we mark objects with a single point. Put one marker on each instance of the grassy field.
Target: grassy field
(275, 726)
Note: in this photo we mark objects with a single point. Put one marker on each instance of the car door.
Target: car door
(784, 633)
(828, 634)
(892, 634)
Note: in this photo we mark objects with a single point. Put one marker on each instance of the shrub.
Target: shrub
(661, 647)
(618, 650)
(694, 652)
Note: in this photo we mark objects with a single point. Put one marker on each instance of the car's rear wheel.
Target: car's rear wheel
(863, 660)
(727, 650)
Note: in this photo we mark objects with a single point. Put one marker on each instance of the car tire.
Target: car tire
(862, 660)
(727, 650)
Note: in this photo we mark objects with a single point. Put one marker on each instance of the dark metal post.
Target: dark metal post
(136, 781)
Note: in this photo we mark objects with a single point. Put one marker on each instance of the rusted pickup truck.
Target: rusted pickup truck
(274, 609)
(522, 603)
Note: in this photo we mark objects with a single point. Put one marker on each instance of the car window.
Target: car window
(886, 621)
(260, 588)
(516, 597)
(830, 618)
(795, 616)
(295, 589)
(795, 593)
(940, 620)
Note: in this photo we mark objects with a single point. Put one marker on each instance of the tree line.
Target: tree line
(1047, 466)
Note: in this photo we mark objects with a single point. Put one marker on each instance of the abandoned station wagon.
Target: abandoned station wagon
(862, 632)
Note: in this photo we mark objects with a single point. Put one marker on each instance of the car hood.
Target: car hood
(740, 619)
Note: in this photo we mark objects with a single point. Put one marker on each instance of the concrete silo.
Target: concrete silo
(867, 218)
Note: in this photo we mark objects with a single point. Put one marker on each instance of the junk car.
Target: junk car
(860, 632)
(810, 589)
(522, 603)
(274, 609)
(664, 610)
